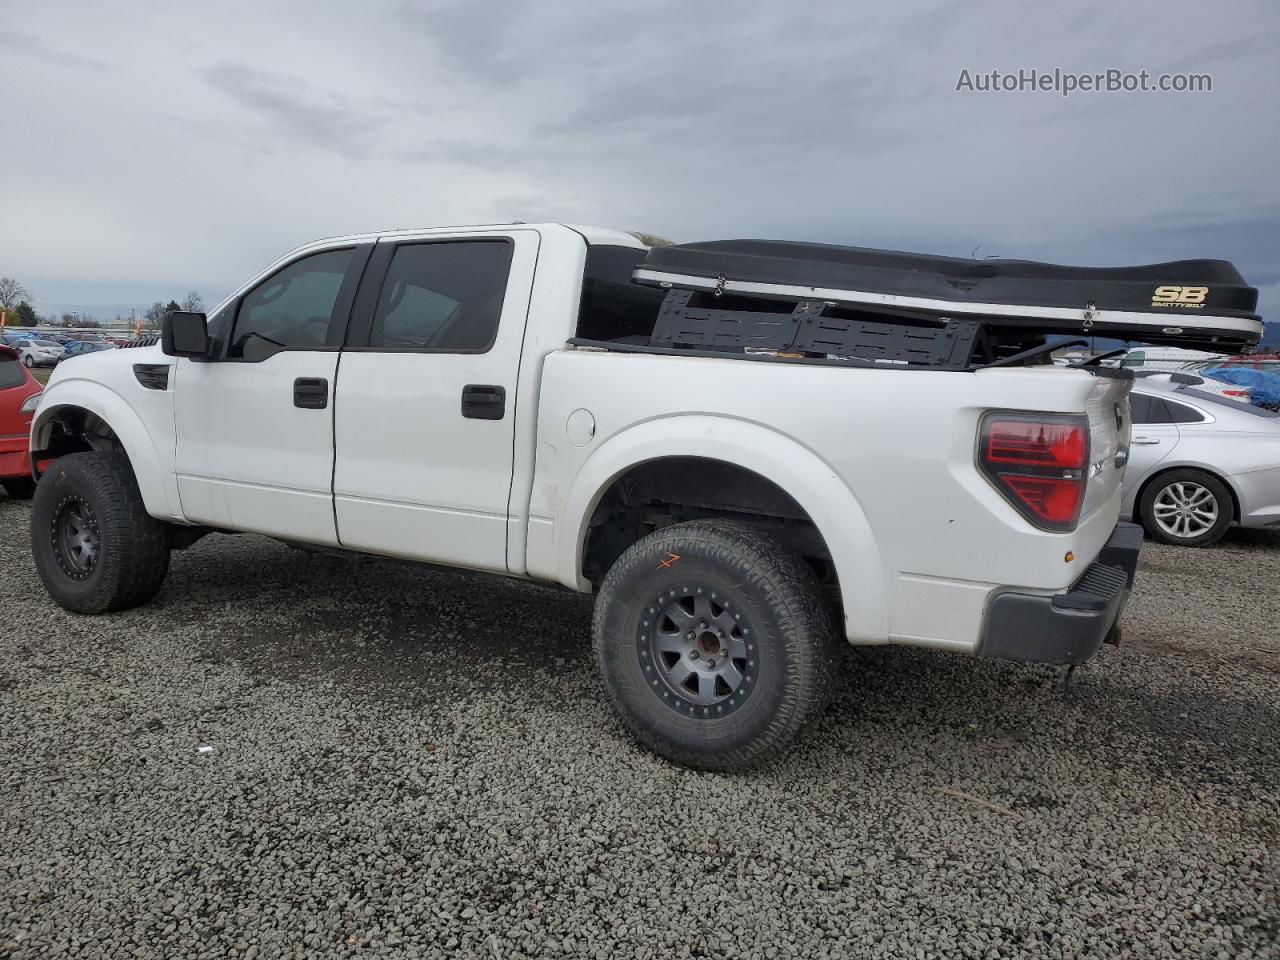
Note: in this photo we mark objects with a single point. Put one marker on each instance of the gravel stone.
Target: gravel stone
(419, 763)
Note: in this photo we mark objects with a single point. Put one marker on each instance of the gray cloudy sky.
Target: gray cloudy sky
(153, 148)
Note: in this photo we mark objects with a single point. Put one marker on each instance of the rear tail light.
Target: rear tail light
(1236, 393)
(1039, 463)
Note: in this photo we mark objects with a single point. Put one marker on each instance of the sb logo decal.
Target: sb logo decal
(1177, 296)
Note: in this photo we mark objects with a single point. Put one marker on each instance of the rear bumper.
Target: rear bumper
(1258, 495)
(13, 456)
(1066, 628)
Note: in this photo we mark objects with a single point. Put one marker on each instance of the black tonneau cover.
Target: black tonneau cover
(1184, 288)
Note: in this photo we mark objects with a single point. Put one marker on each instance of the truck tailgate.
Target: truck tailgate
(1108, 412)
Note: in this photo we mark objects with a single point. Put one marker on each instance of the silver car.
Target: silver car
(41, 353)
(1199, 462)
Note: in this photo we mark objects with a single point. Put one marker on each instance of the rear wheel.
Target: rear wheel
(715, 643)
(95, 546)
(1186, 508)
(28, 361)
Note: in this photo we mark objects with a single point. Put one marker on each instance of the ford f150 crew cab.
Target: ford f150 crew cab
(739, 454)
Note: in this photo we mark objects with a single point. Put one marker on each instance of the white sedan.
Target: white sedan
(40, 353)
(1199, 462)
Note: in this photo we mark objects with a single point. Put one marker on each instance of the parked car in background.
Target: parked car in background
(1269, 362)
(41, 353)
(1206, 383)
(78, 347)
(19, 394)
(1199, 462)
(1165, 358)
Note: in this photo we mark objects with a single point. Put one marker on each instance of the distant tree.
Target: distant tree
(650, 239)
(68, 320)
(88, 321)
(193, 302)
(155, 315)
(25, 316)
(12, 293)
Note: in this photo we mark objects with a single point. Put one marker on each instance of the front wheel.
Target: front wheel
(1186, 508)
(715, 643)
(95, 546)
(28, 361)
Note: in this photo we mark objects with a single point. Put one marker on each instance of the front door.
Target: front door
(255, 426)
(425, 415)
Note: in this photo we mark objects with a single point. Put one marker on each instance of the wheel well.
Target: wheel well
(1146, 484)
(672, 490)
(76, 430)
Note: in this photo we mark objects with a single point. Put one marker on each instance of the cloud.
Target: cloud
(215, 139)
(21, 44)
(288, 105)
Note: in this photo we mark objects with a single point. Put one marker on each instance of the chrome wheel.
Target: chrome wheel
(1185, 510)
(697, 651)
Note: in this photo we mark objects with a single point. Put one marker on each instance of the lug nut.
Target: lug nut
(710, 662)
(691, 635)
(693, 654)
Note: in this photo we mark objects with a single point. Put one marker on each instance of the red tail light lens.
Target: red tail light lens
(1039, 463)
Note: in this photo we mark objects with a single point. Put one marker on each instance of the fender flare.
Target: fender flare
(793, 467)
(156, 480)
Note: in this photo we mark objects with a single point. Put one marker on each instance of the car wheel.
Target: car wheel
(715, 643)
(1186, 508)
(19, 488)
(95, 546)
(28, 361)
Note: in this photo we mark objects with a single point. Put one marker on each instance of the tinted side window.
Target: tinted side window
(292, 308)
(1179, 413)
(10, 372)
(1147, 409)
(444, 296)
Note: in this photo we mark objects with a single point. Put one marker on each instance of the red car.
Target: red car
(19, 393)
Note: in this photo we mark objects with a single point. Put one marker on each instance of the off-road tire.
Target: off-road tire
(19, 488)
(1224, 504)
(132, 547)
(791, 626)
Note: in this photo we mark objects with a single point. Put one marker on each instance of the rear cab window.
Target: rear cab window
(612, 307)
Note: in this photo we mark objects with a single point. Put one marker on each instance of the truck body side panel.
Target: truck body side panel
(919, 537)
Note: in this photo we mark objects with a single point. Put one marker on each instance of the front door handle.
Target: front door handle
(482, 401)
(1144, 441)
(311, 393)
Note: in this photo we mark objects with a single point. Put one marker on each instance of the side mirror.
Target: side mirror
(184, 334)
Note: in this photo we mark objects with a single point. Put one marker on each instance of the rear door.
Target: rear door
(1154, 437)
(255, 427)
(425, 405)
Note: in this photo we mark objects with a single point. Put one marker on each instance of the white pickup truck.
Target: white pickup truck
(503, 399)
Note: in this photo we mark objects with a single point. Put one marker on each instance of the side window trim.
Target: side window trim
(360, 328)
(342, 308)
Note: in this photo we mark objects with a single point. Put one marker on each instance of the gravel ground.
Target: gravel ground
(416, 763)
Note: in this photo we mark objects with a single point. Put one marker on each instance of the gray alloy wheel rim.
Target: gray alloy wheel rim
(698, 651)
(1185, 510)
(76, 540)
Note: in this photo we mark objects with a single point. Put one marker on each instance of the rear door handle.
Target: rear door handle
(311, 393)
(1144, 441)
(482, 401)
